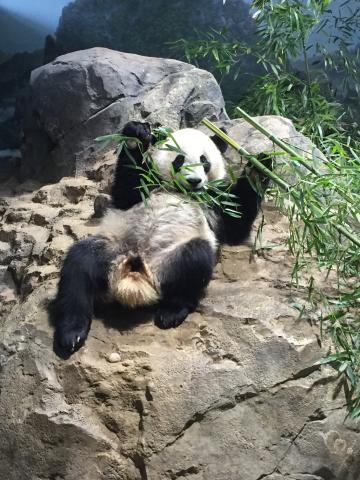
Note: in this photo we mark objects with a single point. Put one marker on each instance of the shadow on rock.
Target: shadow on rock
(113, 315)
(120, 318)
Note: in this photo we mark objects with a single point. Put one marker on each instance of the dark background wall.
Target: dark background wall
(25, 23)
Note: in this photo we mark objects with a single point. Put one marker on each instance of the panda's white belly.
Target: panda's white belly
(158, 227)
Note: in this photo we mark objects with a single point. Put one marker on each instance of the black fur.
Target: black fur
(83, 277)
(183, 281)
(235, 230)
(219, 142)
(125, 193)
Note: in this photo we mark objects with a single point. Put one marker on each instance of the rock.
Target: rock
(86, 94)
(6, 281)
(3, 203)
(9, 162)
(114, 357)
(75, 229)
(44, 215)
(233, 393)
(20, 213)
(51, 195)
(23, 212)
(36, 236)
(35, 275)
(125, 25)
(14, 78)
(8, 293)
(102, 23)
(7, 233)
(72, 190)
(28, 186)
(7, 189)
(57, 248)
(103, 171)
(101, 204)
(75, 189)
(234, 389)
(5, 253)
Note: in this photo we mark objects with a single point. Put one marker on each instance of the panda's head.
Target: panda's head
(192, 157)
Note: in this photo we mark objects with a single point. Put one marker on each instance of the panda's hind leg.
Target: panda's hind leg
(183, 278)
(83, 277)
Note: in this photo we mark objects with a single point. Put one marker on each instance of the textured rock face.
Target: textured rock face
(145, 27)
(232, 394)
(14, 79)
(89, 93)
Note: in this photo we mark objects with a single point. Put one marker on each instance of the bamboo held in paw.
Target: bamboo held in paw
(318, 213)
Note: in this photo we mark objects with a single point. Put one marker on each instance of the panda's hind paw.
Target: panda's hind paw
(68, 339)
(170, 316)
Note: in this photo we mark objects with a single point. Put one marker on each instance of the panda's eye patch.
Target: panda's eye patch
(206, 163)
(178, 162)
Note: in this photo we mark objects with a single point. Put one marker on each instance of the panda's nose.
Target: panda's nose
(194, 181)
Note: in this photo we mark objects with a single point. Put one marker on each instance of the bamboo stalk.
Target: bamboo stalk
(279, 181)
(287, 148)
(277, 141)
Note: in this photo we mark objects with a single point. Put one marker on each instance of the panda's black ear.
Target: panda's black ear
(221, 145)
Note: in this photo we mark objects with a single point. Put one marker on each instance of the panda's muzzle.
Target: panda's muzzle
(194, 182)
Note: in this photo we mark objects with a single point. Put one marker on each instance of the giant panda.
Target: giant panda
(160, 252)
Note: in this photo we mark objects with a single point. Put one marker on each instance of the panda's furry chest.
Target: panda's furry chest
(159, 225)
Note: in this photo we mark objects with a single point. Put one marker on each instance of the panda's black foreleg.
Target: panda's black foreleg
(83, 276)
(234, 230)
(125, 192)
(183, 279)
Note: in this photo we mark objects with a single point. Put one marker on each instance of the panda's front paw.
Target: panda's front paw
(139, 130)
(70, 336)
(256, 175)
(170, 316)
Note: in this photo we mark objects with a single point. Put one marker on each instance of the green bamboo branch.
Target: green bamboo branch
(277, 180)
(286, 147)
(278, 142)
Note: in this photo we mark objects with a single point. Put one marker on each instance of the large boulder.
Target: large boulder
(85, 94)
(232, 394)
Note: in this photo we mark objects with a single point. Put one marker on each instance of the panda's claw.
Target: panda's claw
(69, 338)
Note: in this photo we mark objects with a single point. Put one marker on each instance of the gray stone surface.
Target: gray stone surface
(232, 394)
(89, 93)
